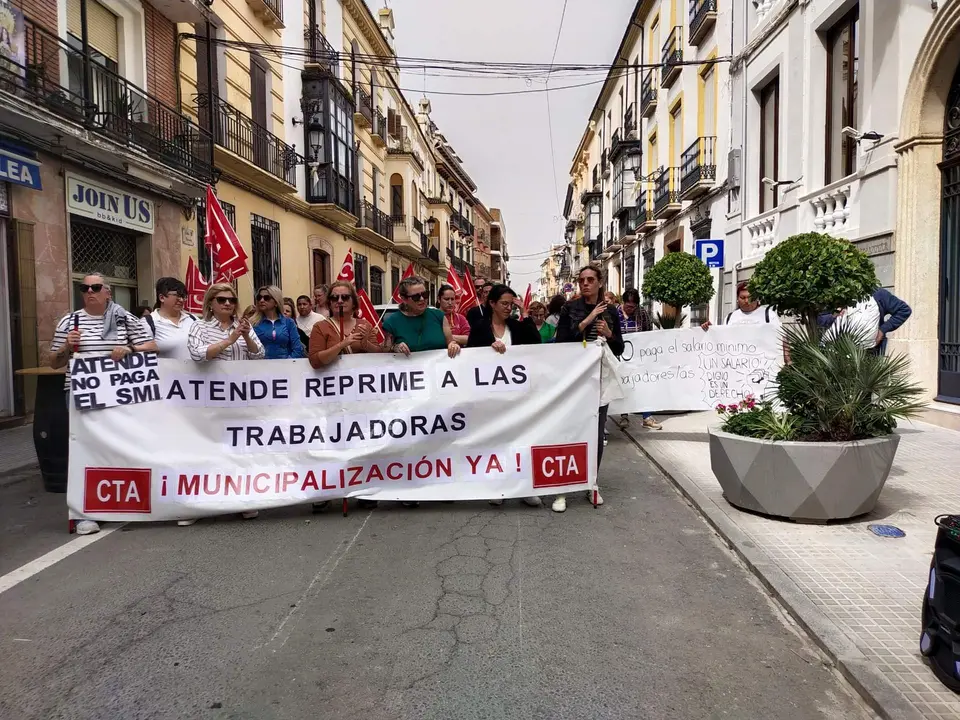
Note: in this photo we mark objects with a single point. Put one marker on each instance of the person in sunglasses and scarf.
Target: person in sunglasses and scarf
(417, 327)
(100, 329)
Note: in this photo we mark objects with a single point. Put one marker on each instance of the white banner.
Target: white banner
(235, 436)
(694, 369)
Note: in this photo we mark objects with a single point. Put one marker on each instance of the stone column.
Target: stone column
(917, 263)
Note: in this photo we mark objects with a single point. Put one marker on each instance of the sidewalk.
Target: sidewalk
(858, 594)
(16, 449)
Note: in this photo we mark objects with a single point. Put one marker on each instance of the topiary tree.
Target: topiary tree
(810, 274)
(679, 279)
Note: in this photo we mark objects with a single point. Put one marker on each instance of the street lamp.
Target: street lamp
(431, 225)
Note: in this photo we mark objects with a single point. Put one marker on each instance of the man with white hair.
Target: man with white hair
(101, 328)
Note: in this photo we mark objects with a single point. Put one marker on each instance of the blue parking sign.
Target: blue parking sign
(710, 252)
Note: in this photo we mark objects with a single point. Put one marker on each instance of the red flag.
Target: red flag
(396, 291)
(527, 298)
(470, 298)
(368, 313)
(229, 259)
(454, 281)
(196, 287)
(346, 271)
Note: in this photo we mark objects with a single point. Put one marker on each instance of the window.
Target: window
(330, 143)
(360, 265)
(203, 255)
(843, 60)
(258, 111)
(708, 102)
(376, 286)
(628, 271)
(108, 251)
(321, 268)
(394, 277)
(676, 135)
(265, 251)
(769, 144)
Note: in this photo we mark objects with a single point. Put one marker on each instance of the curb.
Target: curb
(14, 475)
(881, 694)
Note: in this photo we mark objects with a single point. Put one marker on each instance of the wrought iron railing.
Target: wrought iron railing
(698, 163)
(417, 226)
(666, 189)
(320, 51)
(399, 220)
(52, 75)
(630, 122)
(239, 134)
(644, 207)
(699, 9)
(379, 125)
(276, 7)
(672, 54)
(648, 90)
(627, 224)
(424, 244)
(364, 106)
(377, 220)
(325, 185)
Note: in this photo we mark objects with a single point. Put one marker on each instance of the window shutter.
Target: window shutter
(101, 27)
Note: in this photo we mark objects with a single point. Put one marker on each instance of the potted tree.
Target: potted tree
(679, 279)
(822, 445)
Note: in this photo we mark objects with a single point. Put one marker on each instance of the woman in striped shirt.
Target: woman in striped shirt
(217, 336)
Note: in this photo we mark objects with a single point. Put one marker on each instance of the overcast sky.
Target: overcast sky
(504, 141)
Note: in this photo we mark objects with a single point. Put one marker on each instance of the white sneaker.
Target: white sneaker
(559, 504)
(250, 514)
(590, 497)
(496, 503)
(533, 501)
(87, 527)
(185, 523)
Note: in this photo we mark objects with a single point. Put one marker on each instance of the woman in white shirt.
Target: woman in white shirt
(749, 311)
(169, 324)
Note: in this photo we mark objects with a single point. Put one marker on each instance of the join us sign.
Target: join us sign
(108, 204)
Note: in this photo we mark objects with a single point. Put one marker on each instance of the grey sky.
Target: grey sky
(504, 141)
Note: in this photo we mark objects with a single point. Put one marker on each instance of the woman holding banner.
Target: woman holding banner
(447, 302)
(500, 330)
(278, 334)
(586, 319)
(342, 333)
(217, 335)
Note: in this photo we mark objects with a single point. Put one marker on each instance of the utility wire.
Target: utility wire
(546, 85)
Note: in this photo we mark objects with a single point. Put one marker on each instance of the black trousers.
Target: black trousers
(602, 425)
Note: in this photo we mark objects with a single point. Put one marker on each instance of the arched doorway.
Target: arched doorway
(948, 376)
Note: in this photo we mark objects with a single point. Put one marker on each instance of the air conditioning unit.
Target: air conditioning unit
(734, 163)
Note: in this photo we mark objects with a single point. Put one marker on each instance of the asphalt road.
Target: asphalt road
(446, 612)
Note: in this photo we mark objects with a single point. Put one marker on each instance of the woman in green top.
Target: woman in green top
(417, 327)
(538, 311)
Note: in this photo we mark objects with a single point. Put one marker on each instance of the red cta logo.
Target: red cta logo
(116, 490)
(559, 465)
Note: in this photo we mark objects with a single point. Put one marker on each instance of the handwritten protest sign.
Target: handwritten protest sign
(259, 434)
(99, 382)
(693, 369)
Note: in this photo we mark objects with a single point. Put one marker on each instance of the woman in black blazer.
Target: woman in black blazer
(499, 329)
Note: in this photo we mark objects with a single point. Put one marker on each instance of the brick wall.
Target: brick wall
(43, 12)
(161, 35)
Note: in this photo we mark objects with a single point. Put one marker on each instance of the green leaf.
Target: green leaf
(679, 279)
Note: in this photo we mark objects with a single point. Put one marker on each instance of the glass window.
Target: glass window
(265, 251)
(360, 265)
(376, 286)
(769, 144)
(843, 60)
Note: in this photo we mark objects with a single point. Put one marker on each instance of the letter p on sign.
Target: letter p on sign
(710, 252)
(560, 465)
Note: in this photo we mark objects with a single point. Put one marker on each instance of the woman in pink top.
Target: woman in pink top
(447, 301)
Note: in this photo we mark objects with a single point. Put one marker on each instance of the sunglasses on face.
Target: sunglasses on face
(417, 297)
(264, 298)
(340, 298)
(226, 300)
(95, 287)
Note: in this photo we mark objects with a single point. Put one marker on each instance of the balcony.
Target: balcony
(649, 92)
(666, 193)
(703, 16)
(330, 194)
(407, 239)
(646, 220)
(698, 168)
(149, 132)
(248, 150)
(671, 57)
(760, 234)
(626, 228)
(363, 115)
(270, 12)
(320, 52)
(605, 164)
(406, 152)
(375, 227)
(378, 133)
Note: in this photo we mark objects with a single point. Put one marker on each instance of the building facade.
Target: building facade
(648, 175)
(481, 241)
(499, 255)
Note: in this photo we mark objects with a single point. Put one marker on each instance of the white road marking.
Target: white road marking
(25, 572)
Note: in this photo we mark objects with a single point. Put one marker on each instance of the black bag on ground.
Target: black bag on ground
(940, 637)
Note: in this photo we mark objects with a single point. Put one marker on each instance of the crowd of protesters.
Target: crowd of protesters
(327, 325)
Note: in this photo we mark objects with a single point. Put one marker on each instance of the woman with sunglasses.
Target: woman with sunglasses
(220, 335)
(278, 334)
(417, 327)
(447, 301)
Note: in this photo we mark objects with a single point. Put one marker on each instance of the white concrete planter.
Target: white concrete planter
(802, 480)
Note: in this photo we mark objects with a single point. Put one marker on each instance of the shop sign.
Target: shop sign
(19, 169)
(109, 204)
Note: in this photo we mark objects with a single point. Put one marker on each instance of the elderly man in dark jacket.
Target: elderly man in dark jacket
(894, 312)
